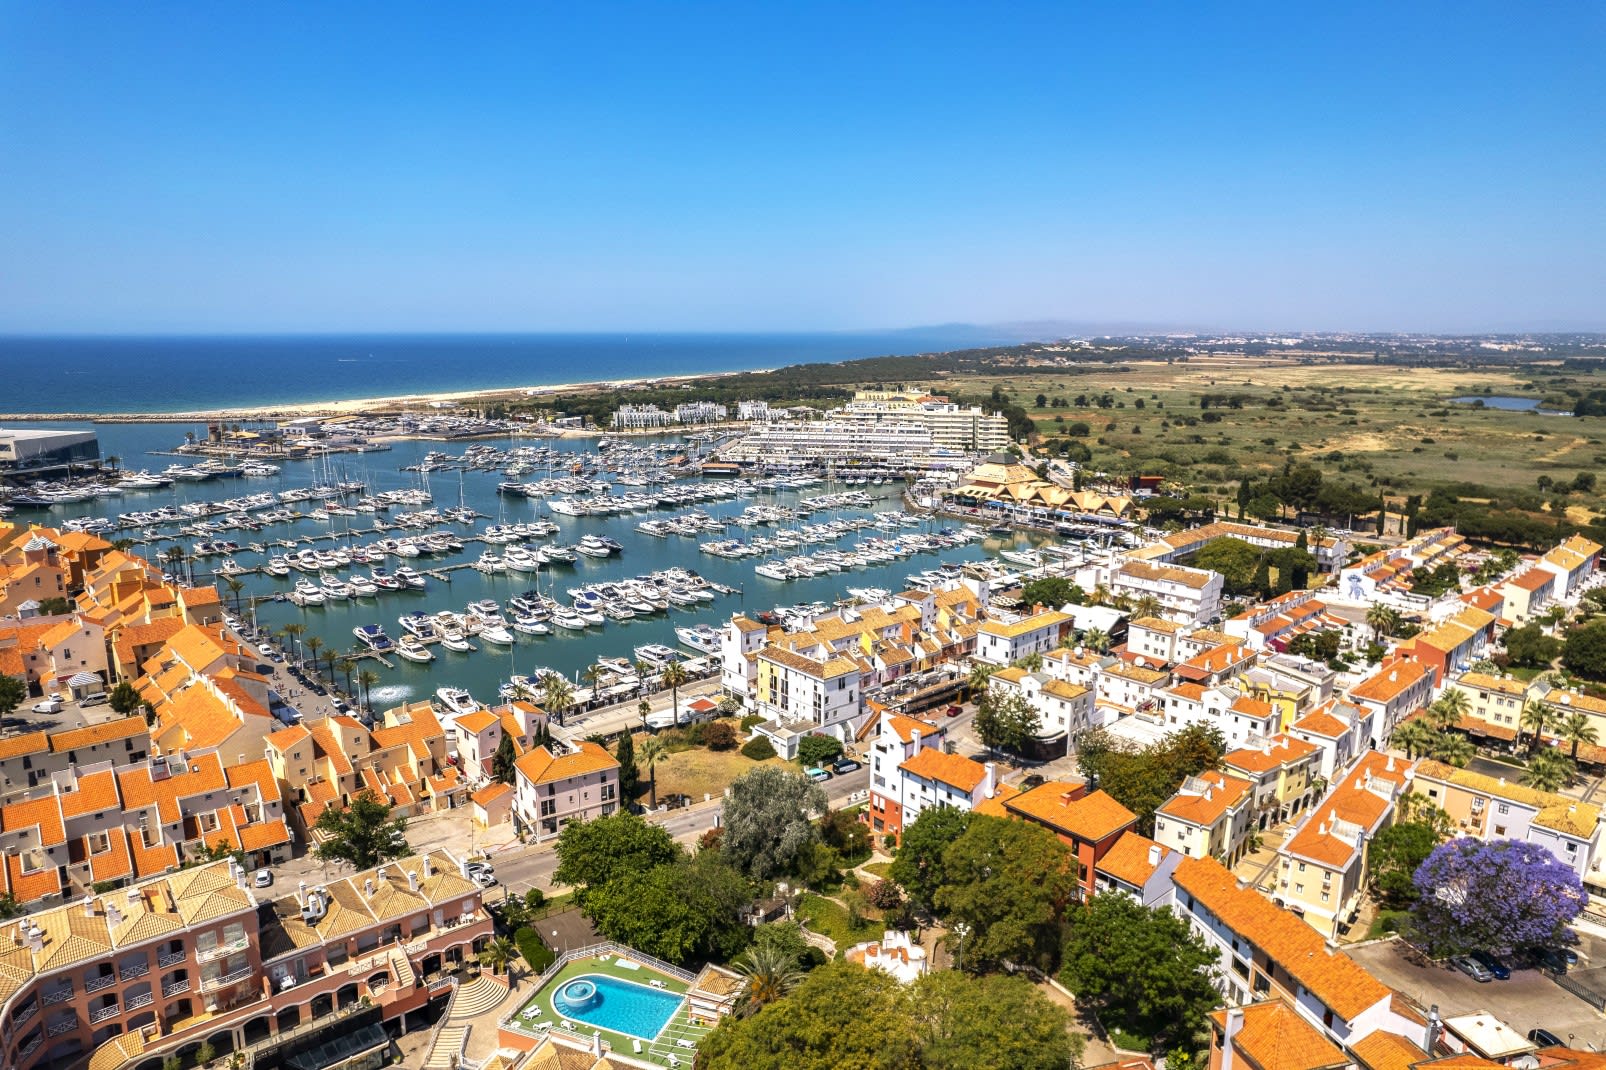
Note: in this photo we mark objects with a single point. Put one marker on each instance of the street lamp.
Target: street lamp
(961, 930)
(555, 940)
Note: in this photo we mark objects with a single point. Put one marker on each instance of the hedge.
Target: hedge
(531, 948)
(759, 748)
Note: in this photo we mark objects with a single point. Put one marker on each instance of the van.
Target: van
(49, 705)
(94, 698)
(819, 776)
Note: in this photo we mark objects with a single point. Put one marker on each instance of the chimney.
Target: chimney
(1154, 854)
(239, 879)
(1235, 1022)
(429, 870)
(114, 917)
(914, 740)
(989, 780)
(1502, 782)
(36, 940)
(301, 894)
(1207, 795)
(1390, 764)
(1435, 1029)
(412, 881)
(133, 895)
(368, 887)
(89, 906)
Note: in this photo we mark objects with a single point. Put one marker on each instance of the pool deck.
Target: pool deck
(657, 1051)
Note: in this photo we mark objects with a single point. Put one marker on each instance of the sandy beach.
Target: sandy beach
(380, 404)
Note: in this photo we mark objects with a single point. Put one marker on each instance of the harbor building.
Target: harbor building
(640, 418)
(959, 427)
(29, 452)
(841, 443)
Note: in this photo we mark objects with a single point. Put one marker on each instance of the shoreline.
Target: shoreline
(371, 405)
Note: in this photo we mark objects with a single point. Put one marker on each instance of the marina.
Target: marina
(423, 566)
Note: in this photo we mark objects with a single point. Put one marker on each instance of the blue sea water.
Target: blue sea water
(152, 374)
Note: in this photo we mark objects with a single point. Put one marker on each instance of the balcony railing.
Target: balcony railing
(66, 1025)
(24, 1013)
(28, 1047)
(95, 984)
(209, 983)
(144, 999)
(176, 987)
(171, 958)
(57, 995)
(130, 970)
(100, 1014)
(219, 950)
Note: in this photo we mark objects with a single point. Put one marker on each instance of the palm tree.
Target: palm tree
(1452, 748)
(675, 674)
(366, 679)
(1577, 728)
(558, 693)
(1414, 737)
(771, 975)
(313, 645)
(643, 670)
(591, 675)
(649, 753)
(1550, 770)
(174, 556)
(1100, 595)
(1382, 620)
(1535, 717)
(1146, 606)
(979, 675)
(643, 708)
(291, 632)
(1446, 712)
(497, 954)
(1096, 640)
(235, 586)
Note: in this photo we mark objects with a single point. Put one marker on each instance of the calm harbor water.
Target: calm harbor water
(568, 652)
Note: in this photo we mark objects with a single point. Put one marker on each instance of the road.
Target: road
(520, 867)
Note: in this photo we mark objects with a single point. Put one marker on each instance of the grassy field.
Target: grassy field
(697, 771)
(1377, 426)
(829, 918)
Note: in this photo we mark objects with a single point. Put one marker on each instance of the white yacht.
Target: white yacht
(413, 649)
(456, 700)
(702, 638)
(656, 654)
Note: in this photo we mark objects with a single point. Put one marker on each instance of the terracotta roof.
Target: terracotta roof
(1390, 681)
(1128, 859)
(491, 792)
(1557, 812)
(955, 770)
(1157, 624)
(1273, 1036)
(1093, 817)
(541, 767)
(477, 722)
(1334, 978)
(906, 727)
(1533, 580)
(1187, 577)
(1482, 681)
(1382, 1050)
(1279, 750)
(1207, 808)
(1321, 723)
(131, 727)
(1048, 619)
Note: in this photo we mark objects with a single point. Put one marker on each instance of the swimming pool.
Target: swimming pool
(619, 1006)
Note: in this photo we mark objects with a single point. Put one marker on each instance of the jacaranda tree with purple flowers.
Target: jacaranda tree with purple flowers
(1495, 896)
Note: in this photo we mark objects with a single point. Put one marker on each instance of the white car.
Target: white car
(483, 877)
(49, 705)
(264, 878)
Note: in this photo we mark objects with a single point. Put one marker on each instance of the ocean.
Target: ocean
(152, 374)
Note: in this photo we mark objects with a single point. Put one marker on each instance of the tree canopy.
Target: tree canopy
(1494, 896)
(1394, 857)
(917, 865)
(1052, 592)
(1005, 722)
(1009, 882)
(1146, 970)
(1141, 779)
(1584, 651)
(767, 820)
(682, 911)
(593, 853)
(362, 834)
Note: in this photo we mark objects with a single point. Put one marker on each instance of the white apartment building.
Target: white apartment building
(927, 777)
(565, 782)
(1187, 595)
(1063, 709)
(640, 418)
(801, 695)
(1000, 642)
(962, 428)
(740, 643)
(801, 445)
(753, 410)
(701, 412)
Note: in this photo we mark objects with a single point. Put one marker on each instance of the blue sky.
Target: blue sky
(281, 167)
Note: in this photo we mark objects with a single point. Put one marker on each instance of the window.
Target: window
(1503, 808)
(1299, 889)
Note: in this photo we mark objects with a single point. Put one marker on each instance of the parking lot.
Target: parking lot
(1529, 1000)
(71, 715)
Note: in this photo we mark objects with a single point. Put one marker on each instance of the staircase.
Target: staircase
(447, 1048)
(475, 998)
(405, 977)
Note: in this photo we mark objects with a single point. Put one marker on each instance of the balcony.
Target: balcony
(100, 1014)
(95, 984)
(57, 995)
(27, 1048)
(24, 1013)
(219, 950)
(209, 984)
(170, 958)
(144, 999)
(130, 970)
(176, 987)
(66, 1025)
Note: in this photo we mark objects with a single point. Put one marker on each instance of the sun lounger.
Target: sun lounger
(684, 1043)
(673, 1061)
(635, 1045)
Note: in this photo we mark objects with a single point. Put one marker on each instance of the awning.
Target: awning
(83, 679)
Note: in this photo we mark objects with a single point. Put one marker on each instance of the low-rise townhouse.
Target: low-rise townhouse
(1215, 666)
(928, 777)
(1528, 594)
(1493, 808)
(1155, 638)
(1271, 1034)
(1273, 625)
(1089, 823)
(1211, 814)
(1573, 562)
(1139, 867)
(1187, 595)
(1283, 771)
(1321, 867)
(1341, 730)
(560, 783)
(896, 740)
(1452, 645)
(1397, 689)
(1294, 685)
(820, 691)
(1005, 642)
(1128, 686)
(1064, 710)
(32, 759)
(1495, 701)
(1385, 576)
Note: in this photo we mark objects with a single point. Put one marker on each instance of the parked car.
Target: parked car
(1032, 780)
(845, 765)
(94, 698)
(49, 705)
(1492, 963)
(264, 878)
(1545, 1038)
(483, 879)
(1472, 968)
(955, 711)
(1553, 960)
(819, 776)
(471, 868)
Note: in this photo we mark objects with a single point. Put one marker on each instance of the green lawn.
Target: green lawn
(830, 919)
(1379, 923)
(879, 869)
(540, 1008)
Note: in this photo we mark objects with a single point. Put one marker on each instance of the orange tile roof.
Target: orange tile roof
(257, 773)
(541, 767)
(1382, 1050)
(1128, 859)
(1273, 1036)
(906, 727)
(26, 743)
(27, 887)
(955, 770)
(286, 739)
(1321, 723)
(1280, 750)
(1207, 808)
(263, 835)
(113, 863)
(94, 793)
(131, 727)
(1390, 681)
(1094, 817)
(43, 813)
(491, 792)
(1332, 977)
(478, 721)
(1533, 580)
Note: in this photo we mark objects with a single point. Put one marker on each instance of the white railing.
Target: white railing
(66, 1025)
(57, 995)
(176, 987)
(100, 1014)
(95, 984)
(130, 970)
(171, 958)
(222, 949)
(227, 979)
(134, 1003)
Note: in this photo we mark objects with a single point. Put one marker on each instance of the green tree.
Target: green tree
(1002, 1023)
(1415, 738)
(771, 974)
(1235, 559)
(1052, 592)
(1584, 650)
(768, 820)
(629, 774)
(502, 761)
(1530, 647)
(205, 1054)
(593, 853)
(917, 864)
(673, 677)
(1006, 723)
(1448, 709)
(841, 1015)
(1141, 779)
(1575, 729)
(366, 679)
(1382, 619)
(1549, 770)
(55, 607)
(1145, 970)
(1452, 748)
(1394, 856)
(12, 693)
(557, 694)
(682, 912)
(653, 751)
(818, 750)
(124, 699)
(362, 834)
(1536, 718)
(1096, 640)
(1009, 882)
(497, 954)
